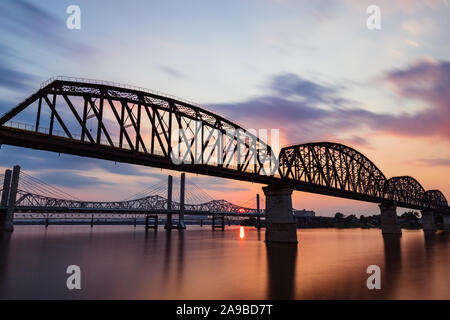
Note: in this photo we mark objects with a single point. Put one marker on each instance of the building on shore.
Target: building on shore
(304, 213)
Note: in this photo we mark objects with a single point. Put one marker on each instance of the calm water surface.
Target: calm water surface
(123, 262)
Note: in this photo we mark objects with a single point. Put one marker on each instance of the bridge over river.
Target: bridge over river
(128, 124)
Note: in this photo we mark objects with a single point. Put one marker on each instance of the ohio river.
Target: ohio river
(123, 262)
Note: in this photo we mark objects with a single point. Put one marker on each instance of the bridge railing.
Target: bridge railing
(59, 133)
(132, 87)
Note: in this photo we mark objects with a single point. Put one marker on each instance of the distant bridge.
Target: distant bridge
(35, 199)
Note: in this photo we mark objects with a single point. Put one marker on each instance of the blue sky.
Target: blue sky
(310, 68)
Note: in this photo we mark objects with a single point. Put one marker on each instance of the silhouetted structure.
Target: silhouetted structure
(325, 168)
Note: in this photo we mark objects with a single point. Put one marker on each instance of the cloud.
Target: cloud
(10, 78)
(171, 71)
(15, 80)
(70, 180)
(21, 20)
(31, 160)
(405, 6)
(296, 107)
(24, 19)
(437, 162)
(291, 85)
(427, 81)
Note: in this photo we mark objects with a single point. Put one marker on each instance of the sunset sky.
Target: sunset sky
(309, 68)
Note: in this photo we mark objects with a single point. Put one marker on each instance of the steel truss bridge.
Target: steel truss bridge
(28, 205)
(37, 199)
(133, 125)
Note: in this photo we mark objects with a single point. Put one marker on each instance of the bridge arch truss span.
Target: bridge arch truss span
(435, 199)
(125, 124)
(332, 166)
(405, 191)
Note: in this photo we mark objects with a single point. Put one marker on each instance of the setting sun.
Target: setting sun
(241, 233)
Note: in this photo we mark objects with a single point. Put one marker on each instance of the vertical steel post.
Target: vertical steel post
(100, 120)
(38, 116)
(168, 225)
(9, 219)
(122, 118)
(258, 211)
(138, 128)
(85, 112)
(6, 185)
(181, 224)
(5, 196)
(52, 116)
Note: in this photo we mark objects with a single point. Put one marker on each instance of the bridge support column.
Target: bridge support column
(5, 196)
(446, 220)
(389, 222)
(155, 221)
(280, 225)
(428, 224)
(181, 224)
(8, 225)
(169, 224)
(218, 226)
(258, 211)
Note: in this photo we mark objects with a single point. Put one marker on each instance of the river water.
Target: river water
(124, 262)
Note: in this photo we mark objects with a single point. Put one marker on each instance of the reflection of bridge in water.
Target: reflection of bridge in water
(133, 125)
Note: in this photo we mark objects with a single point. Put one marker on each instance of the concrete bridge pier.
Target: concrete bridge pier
(280, 224)
(389, 221)
(428, 223)
(214, 225)
(446, 221)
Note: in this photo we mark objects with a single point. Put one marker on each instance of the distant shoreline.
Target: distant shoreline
(161, 223)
